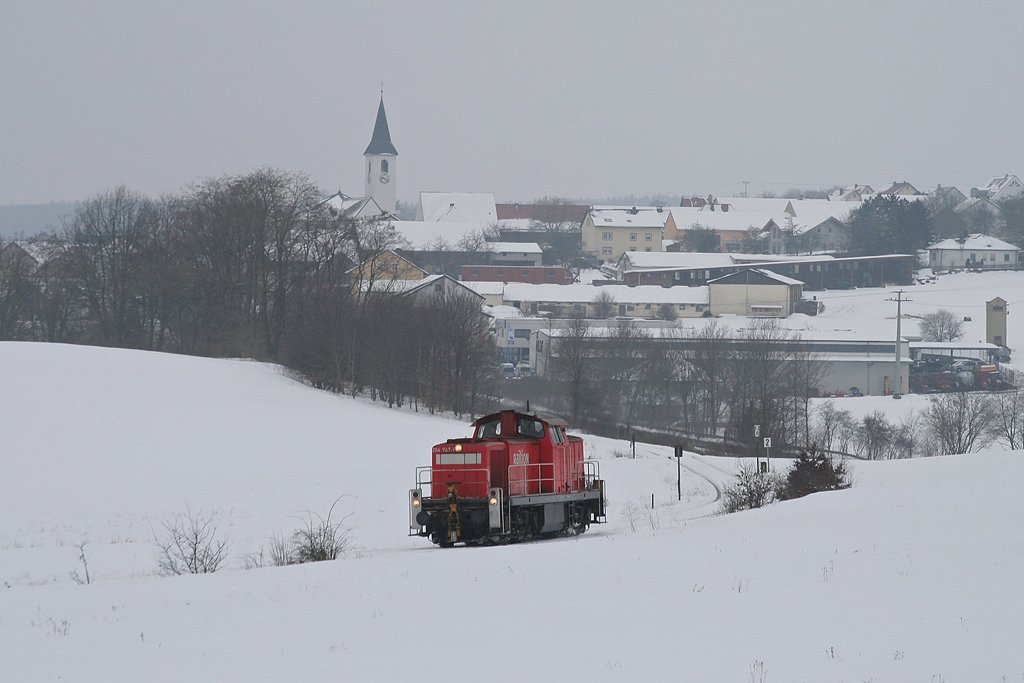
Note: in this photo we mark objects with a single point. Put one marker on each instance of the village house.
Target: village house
(977, 251)
(755, 292)
(609, 231)
(1000, 188)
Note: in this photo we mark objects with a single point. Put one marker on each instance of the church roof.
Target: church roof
(380, 143)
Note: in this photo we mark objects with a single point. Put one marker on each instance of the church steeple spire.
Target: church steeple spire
(380, 143)
(382, 163)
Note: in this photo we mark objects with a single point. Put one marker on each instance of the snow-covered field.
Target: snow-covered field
(912, 575)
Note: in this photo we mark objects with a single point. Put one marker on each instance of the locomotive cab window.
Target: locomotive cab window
(557, 435)
(533, 429)
(491, 428)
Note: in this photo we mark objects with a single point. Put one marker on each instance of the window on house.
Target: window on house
(383, 165)
(394, 267)
(499, 273)
(525, 273)
(606, 250)
(632, 237)
(647, 248)
(632, 248)
(647, 307)
(521, 334)
(648, 236)
(606, 235)
(1006, 257)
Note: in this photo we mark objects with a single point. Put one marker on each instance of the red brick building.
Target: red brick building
(534, 275)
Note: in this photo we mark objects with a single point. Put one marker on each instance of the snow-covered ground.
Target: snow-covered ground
(912, 575)
(868, 311)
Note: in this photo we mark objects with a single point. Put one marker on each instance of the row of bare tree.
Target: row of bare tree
(256, 266)
(711, 383)
(961, 422)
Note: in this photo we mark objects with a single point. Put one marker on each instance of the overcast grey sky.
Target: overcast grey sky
(518, 98)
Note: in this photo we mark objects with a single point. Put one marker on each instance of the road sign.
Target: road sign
(757, 431)
(767, 442)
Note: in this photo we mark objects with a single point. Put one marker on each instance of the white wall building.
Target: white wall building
(973, 251)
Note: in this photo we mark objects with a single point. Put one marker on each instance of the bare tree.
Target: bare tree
(941, 326)
(829, 424)
(960, 422)
(574, 365)
(17, 291)
(604, 304)
(874, 436)
(1008, 419)
(710, 359)
(105, 240)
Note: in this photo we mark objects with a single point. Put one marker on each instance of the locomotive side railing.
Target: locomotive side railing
(521, 485)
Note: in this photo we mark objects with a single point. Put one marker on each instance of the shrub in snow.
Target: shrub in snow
(320, 539)
(752, 489)
(190, 544)
(812, 472)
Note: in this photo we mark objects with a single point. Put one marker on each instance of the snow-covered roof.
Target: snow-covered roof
(653, 260)
(644, 260)
(457, 207)
(425, 234)
(581, 294)
(353, 207)
(813, 212)
(975, 203)
(976, 242)
(686, 216)
(515, 247)
(628, 217)
(782, 279)
(775, 206)
(486, 288)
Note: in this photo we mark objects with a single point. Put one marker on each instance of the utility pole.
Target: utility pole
(897, 382)
(746, 187)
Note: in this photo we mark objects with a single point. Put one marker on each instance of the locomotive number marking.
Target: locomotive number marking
(520, 458)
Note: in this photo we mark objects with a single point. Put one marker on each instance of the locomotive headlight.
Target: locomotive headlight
(493, 501)
(416, 502)
(458, 448)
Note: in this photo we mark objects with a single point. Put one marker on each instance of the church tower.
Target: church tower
(381, 163)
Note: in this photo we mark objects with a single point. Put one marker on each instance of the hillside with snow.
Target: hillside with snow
(911, 575)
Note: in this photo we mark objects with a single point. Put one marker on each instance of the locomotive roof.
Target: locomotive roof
(543, 417)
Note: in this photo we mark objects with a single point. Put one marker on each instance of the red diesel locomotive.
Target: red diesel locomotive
(519, 476)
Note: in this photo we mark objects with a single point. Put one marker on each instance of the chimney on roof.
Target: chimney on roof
(634, 211)
(659, 208)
